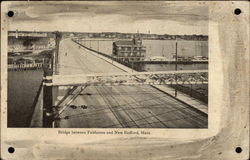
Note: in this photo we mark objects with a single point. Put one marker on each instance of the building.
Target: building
(129, 50)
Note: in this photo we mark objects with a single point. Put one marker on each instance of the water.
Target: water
(22, 89)
(166, 48)
(169, 67)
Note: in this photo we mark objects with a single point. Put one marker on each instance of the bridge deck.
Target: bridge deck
(116, 106)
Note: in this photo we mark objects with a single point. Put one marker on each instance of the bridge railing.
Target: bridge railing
(137, 78)
(103, 54)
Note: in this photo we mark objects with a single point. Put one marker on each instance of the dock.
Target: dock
(29, 66)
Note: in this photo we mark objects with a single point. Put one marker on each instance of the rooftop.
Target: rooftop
(124, 43)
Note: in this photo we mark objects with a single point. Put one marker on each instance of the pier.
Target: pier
(172, 62)
(20, 67)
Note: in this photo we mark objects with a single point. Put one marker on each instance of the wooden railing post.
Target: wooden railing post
(50, 68)
(47, 98)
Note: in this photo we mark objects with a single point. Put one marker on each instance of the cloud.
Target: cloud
(115, 13)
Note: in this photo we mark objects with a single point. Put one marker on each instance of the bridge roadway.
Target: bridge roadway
(115, 106)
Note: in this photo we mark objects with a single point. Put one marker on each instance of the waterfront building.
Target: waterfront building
(129, 50)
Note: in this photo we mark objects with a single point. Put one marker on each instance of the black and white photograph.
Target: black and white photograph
(127, 80)
(108, 65)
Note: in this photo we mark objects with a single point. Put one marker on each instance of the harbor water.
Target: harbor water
(22, 90)
(169, 67)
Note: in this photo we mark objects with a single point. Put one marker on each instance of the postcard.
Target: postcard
(125, 80)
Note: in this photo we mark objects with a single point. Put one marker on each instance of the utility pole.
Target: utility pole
(98, 45)
(176, 55)
(176, 66)
(132, 66)
(162, 51)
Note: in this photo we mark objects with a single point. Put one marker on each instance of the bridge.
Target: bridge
(88, 90)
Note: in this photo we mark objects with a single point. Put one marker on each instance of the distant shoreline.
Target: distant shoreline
(171, 62)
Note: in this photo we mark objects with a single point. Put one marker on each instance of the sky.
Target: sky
(128, 17)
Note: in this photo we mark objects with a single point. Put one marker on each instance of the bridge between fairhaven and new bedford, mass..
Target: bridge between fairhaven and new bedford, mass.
(84, 88)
